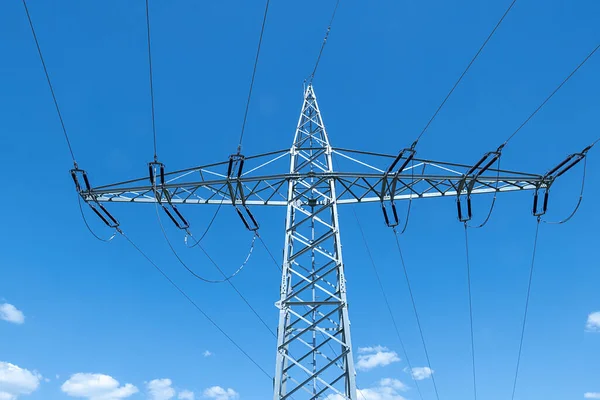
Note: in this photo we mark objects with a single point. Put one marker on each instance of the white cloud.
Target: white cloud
(593, 323)
(590, 395)
(186, 395)
(16, 381)
(97, 387)
(207, 353)
(378, 356)
(160, 389)
(421, 373)
(10, 313)
(219, 393)
(387, 389)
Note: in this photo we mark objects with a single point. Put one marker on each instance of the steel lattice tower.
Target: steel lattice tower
(314, 347)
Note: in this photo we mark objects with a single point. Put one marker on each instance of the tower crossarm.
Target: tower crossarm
(260, 184)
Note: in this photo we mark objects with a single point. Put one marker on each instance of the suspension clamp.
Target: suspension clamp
(235, 170)
(468, 181)
(543, 187)
(161, 192)
(388, 187)
(86, 194)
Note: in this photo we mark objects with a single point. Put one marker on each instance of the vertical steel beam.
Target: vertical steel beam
(314, 347)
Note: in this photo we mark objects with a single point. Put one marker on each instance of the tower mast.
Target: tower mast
(314, 347)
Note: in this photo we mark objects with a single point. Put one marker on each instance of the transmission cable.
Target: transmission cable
(62, 122)
(189, 299)
(387, 303)
(465, 71)
(470, 310)
(531, 270)
(151, 78)
(414, 306)
(312, 75)
(262, 31)
(552, 94)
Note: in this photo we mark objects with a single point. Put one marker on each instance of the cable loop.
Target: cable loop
(87, 225)
(226, 278)
(578, 201)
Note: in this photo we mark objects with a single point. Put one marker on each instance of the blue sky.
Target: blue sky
(95, 308)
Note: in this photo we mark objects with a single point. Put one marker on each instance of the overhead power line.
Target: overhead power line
(460, 78)
(62, 122)
(471, 311)
(387, 303)
(552, 94)
(151, 78)
(260, 39)
(196, 306)
(312, 76)
(414, 306)
(531, 270)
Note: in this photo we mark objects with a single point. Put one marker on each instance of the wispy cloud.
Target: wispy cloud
(420, 373)
(10, 313)
(207, 353)
(186, 395)
(160, 389)
(16, 381)
(386, 389)
(219, 393)
(593, 322)
(97, 387)
(377, 356)
(591, 395)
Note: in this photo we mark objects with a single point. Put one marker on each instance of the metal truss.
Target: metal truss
(314, 348)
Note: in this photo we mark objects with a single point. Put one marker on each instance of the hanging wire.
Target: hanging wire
(87, 225)
(151, 78)
(578, 201)
(262, 31)
(487, 218)
(196, 306)
(552, 94)
(410, 199)
(531, 270)
(465, 71)
(387, 303)
(414, 306)
(470, 311)
(62, 122)
(212, 220)
(312, 75)
(226, 278)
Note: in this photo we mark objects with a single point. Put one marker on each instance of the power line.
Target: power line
(414, 306)
(214, 263)
(387, 303)
(531, 269)
(552, 94)
(196, 306)
(312, 76)
(470, 310)
(465, 71)
(262, 31)
(151, 78)
(62, 122)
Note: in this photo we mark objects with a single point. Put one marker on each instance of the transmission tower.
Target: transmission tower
(314, 348)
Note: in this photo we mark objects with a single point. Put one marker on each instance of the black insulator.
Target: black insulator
(86, 180)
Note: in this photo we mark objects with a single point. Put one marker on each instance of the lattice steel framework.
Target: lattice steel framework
(314, 348)
(313, 316)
